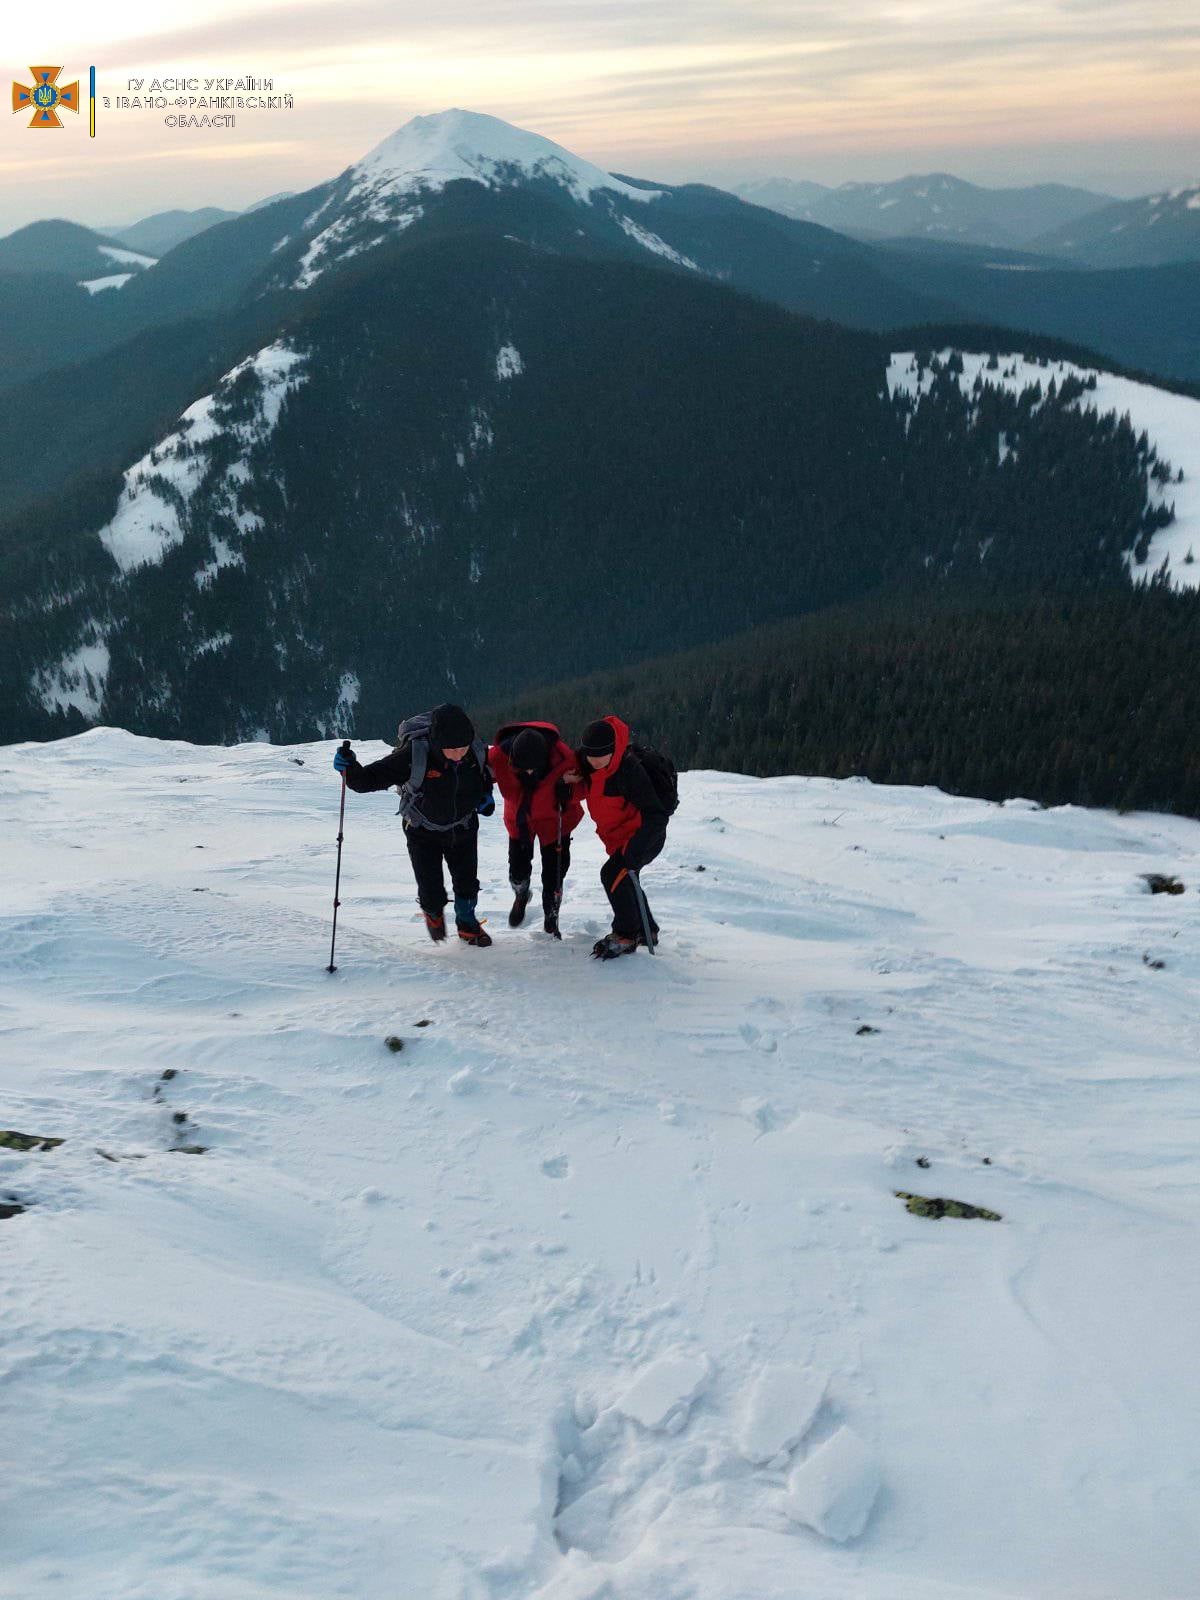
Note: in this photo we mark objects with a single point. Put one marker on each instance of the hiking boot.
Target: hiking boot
(477, 935)
(521, 892)
(550, 924)
(436, 927)
(612, 946)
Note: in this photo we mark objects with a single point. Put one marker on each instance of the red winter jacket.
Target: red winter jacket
(620, 796)
(542, 815)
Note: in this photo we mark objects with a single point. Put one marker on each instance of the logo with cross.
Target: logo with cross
(44, 97)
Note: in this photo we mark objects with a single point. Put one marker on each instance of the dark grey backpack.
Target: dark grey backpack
(415, 733)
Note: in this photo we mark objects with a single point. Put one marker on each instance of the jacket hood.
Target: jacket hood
(621, 729)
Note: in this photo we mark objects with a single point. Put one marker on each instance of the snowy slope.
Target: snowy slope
(597, 1290)
(429, 152)
(1171, 421)
(383, 194)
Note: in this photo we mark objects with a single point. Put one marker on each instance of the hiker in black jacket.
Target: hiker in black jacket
(440, 767)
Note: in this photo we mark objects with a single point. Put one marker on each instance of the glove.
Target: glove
(487, 805)
(343, 760)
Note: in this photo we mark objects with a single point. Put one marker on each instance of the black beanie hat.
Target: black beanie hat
(599, 739)
(528, 752)
(451, 727)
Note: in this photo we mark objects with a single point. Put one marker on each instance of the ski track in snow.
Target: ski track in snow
(525, 1308)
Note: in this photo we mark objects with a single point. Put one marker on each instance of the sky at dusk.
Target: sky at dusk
(1102, 93)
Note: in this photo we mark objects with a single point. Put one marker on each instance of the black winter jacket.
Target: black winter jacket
(451, 793)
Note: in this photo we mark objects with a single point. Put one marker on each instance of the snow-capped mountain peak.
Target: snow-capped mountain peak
(393, 185)
(429, 152)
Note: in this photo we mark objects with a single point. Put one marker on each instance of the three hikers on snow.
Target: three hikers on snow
(445, 779)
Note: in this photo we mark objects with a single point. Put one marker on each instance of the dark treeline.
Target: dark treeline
(1091, 701)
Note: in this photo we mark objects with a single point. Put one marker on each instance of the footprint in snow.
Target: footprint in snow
(614, 1479)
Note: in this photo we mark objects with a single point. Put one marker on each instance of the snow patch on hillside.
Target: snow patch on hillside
(1171, 422)
(98, 285)
(652, 242)
(223, 555)
(329, 247)
(518, 1309)
(349, 689)
(76, 680)
(150, 518)
(508, 362)
(127, 258)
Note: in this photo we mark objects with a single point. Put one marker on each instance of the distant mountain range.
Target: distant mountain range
(474, 407)
(66, 249)
(165, 229)
(933, 206)
(1151, 232)
(144, 343)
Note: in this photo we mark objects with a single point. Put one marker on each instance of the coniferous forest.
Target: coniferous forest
(1084, 701)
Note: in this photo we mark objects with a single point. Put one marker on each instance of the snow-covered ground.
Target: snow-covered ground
(1171, 422)
(599, 1288)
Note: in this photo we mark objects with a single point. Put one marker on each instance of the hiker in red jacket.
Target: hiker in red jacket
(630, 795)
(530, 763)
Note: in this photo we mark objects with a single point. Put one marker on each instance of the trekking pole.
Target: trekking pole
(643, 911)
(337, 882)
(559, 875)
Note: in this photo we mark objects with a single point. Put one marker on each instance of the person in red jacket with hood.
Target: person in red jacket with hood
(530, 763)
(631, 820)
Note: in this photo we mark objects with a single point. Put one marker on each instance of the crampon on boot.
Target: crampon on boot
(436, 927)
(613, 945)
(470, 929)
(521, 893)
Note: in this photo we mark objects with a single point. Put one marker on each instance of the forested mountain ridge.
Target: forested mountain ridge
(467, 462)
(128, 354)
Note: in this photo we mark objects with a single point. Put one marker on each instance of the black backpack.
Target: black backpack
(661, 771)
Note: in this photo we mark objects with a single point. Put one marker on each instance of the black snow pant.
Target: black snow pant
(459, 849)
(520, 867)
(646, 844)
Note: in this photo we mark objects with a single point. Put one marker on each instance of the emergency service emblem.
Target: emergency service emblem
(44, 98)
